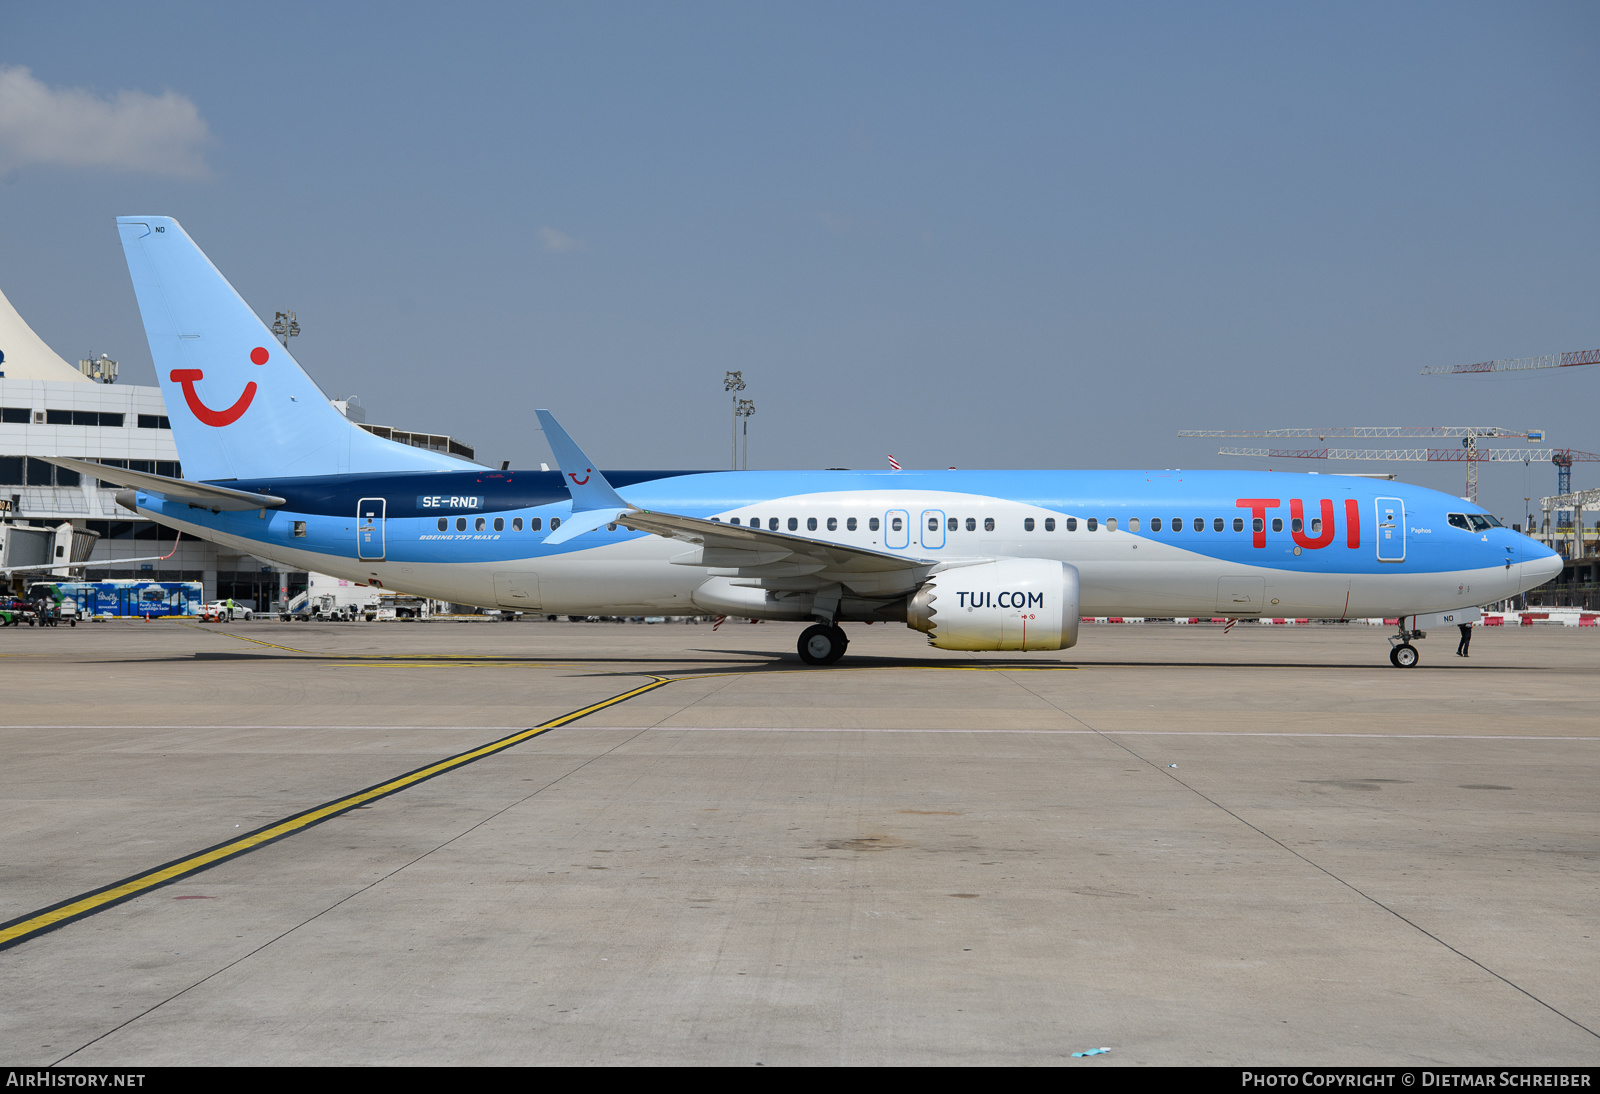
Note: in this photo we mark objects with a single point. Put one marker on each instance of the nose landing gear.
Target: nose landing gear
(822, 644)
(1402, 654)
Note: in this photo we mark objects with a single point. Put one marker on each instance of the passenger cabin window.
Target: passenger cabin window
(1238, 524)
(444, 522)
(952, 525)
(1133, 525)
(535, 524)
(1199, 524)
(1072, 524)
(555, 522)
(833, 524)
(896, 524)
(1257, 525)
(1177, 524)
(477, 525)
(516, 524)
(933, 524)
(1216, 525)
(772, 523)
(794, 524)
(1049, 524)
(1111, 525)
(1027, 524)
(734, 521)
(1155, 524)
(1316, 526)
(1277, 524)
(988, 524)
(811, 524)
(872, 524)
(461, 524)
(972, 524)
(499, 524)
(1092, 523)
(850, 524)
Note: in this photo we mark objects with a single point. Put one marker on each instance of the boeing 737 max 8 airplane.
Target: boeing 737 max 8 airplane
(979, 560)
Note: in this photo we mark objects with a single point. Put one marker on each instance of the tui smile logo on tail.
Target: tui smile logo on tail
(218, 418)
(587, 471)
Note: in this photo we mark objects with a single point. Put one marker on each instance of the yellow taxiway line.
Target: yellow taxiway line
(57, 915)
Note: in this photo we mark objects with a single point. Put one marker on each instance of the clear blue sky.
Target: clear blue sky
(1026, 235)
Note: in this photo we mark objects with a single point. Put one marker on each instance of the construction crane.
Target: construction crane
(1322, 432)
(1469, 453)
(1519, 364)
(1563, 458)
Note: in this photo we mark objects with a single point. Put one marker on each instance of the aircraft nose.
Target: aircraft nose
(1545, 565)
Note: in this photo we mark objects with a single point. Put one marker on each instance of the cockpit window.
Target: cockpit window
(1459, 520)
(1479, 523)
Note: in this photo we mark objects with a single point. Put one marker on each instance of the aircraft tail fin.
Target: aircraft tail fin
(240, 406)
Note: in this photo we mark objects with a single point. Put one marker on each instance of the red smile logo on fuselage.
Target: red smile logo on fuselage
(218, 418)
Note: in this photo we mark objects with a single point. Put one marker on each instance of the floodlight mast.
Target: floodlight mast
(734, 382)
(285, 326)
(746, 408)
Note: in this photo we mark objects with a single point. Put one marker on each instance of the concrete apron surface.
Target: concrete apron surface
(1264, 847)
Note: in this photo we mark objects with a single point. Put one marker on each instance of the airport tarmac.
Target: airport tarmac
(1191, 847)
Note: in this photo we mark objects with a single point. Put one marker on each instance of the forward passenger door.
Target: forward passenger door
(1391, 514)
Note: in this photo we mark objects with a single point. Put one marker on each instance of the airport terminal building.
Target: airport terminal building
(50, 408)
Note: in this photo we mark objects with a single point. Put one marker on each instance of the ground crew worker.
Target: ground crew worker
(1466, 639)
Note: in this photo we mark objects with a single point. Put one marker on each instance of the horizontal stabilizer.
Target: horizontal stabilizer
(201, 495)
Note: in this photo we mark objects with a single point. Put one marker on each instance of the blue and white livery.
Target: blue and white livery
(979, 560)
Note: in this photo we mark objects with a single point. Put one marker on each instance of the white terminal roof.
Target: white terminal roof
(26, 355)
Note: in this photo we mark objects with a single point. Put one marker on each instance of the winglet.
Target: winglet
(589, 488)
(592, 495)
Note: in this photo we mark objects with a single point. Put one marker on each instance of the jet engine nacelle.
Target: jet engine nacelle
(1012, 604)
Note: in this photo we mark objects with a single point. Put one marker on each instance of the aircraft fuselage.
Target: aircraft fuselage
(1158, 543)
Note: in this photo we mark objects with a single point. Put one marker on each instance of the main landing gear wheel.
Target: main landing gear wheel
(1403, 656)
(822, 644)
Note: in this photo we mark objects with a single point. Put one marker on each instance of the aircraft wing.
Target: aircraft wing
(781, 560)
(201, 495)
(752, 556)
(726, 545)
